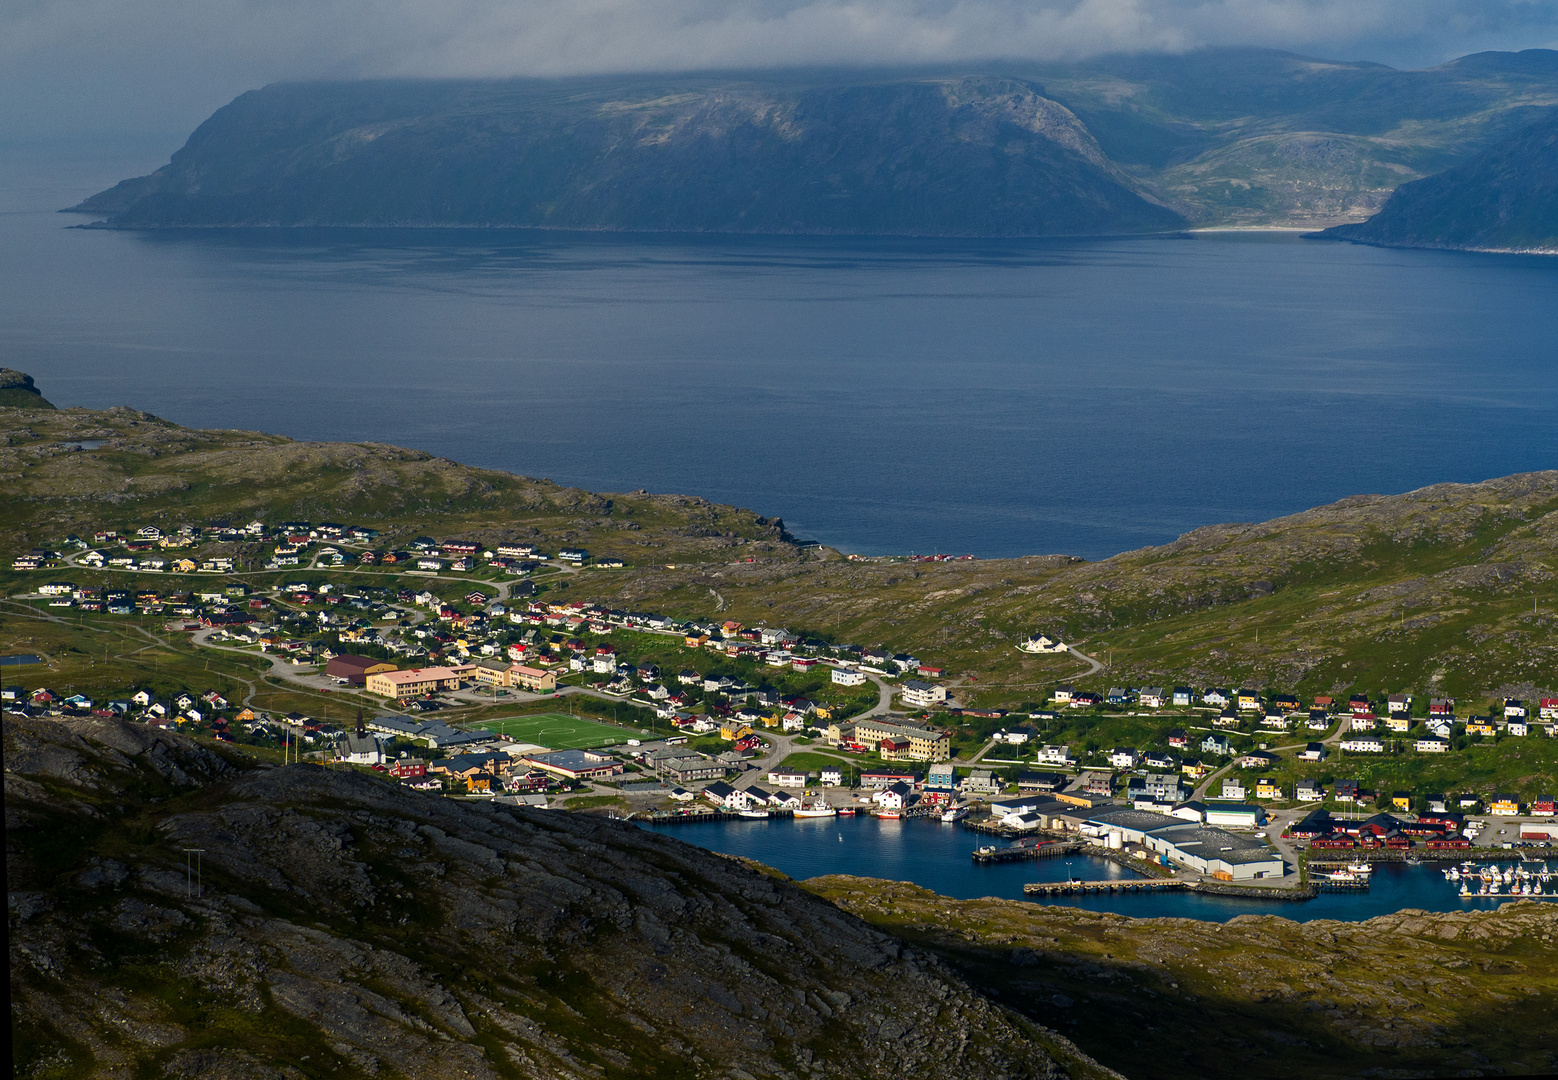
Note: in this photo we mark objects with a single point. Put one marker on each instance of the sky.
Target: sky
(96, 68)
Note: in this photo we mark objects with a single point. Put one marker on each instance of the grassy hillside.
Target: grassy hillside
(80, 471)
(1449, 588)
(1410, 994)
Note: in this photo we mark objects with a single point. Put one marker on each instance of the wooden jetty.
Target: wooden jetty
(1023, 852)
(1066, 888)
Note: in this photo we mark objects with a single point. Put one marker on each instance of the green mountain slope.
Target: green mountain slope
(342, 925)
(1260, 137)
(1505, 198)
(955, 156)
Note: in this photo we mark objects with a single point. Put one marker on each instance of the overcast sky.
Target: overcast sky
(90, 67)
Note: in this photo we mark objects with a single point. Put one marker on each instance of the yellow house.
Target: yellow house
(734, 731)
(1267, 789)
(824, 712)
(696, 641)
(1481, 725)
(185, 566)
(1249, 701)
(1398, 722)
(1505, 805)
(1401, 800)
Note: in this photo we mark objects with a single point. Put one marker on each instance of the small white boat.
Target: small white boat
(954, 813)
(1465, 889)
(753, 813)
(1360, 867)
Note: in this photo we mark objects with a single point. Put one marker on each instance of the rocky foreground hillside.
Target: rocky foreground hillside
(342, 926)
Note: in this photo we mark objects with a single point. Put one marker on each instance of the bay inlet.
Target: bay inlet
(938, 856)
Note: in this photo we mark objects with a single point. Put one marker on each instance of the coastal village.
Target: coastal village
(689, 721)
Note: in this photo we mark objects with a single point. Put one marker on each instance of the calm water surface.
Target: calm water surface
(937, 856)
(989, 397)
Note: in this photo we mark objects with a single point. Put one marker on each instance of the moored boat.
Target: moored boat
(753, 813)
(954, 813)
(816, 809)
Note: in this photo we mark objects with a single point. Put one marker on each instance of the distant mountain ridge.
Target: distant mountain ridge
(1505, 199)
(969, 156)
(1110, 145)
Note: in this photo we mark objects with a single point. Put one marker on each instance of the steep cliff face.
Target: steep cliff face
(338, 925)
(960, 156)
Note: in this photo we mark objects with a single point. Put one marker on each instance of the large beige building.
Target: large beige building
(403, 684)
(526, 678)
(925, 744)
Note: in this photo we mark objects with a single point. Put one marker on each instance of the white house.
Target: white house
(787, 778)
(1039, 643)
(921, 694)
(832, 776)
(1431, 744)
(1364, 744)
(1053, 755)
(1152, 697)
(895, 797)
(1124, 757)
(848, 677)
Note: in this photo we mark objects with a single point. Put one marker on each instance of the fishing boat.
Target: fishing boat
(1360, 867)
(1343, 877)
(954, 813)
(752, 813)
(890, 814)
(817, 809)
(846, 811)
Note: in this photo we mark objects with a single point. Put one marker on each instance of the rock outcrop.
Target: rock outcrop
(177, 913)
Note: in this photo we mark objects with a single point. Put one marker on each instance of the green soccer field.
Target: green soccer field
(559, 731)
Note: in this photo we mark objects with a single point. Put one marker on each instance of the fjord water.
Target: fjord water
(936, 856)
(992, 397)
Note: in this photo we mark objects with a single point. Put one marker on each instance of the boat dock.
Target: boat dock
(1023, 852)
(1066, 888)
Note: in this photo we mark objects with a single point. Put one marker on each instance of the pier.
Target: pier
(1065, 888)
(1023, 852)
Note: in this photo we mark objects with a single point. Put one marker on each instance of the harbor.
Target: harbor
(940, 856)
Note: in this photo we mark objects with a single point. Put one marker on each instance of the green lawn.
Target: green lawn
(815, 762)
(559, 731)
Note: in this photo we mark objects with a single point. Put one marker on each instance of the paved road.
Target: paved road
(1094, 666)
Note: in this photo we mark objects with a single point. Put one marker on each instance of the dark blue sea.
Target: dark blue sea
(937, 856)
(989, 397)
